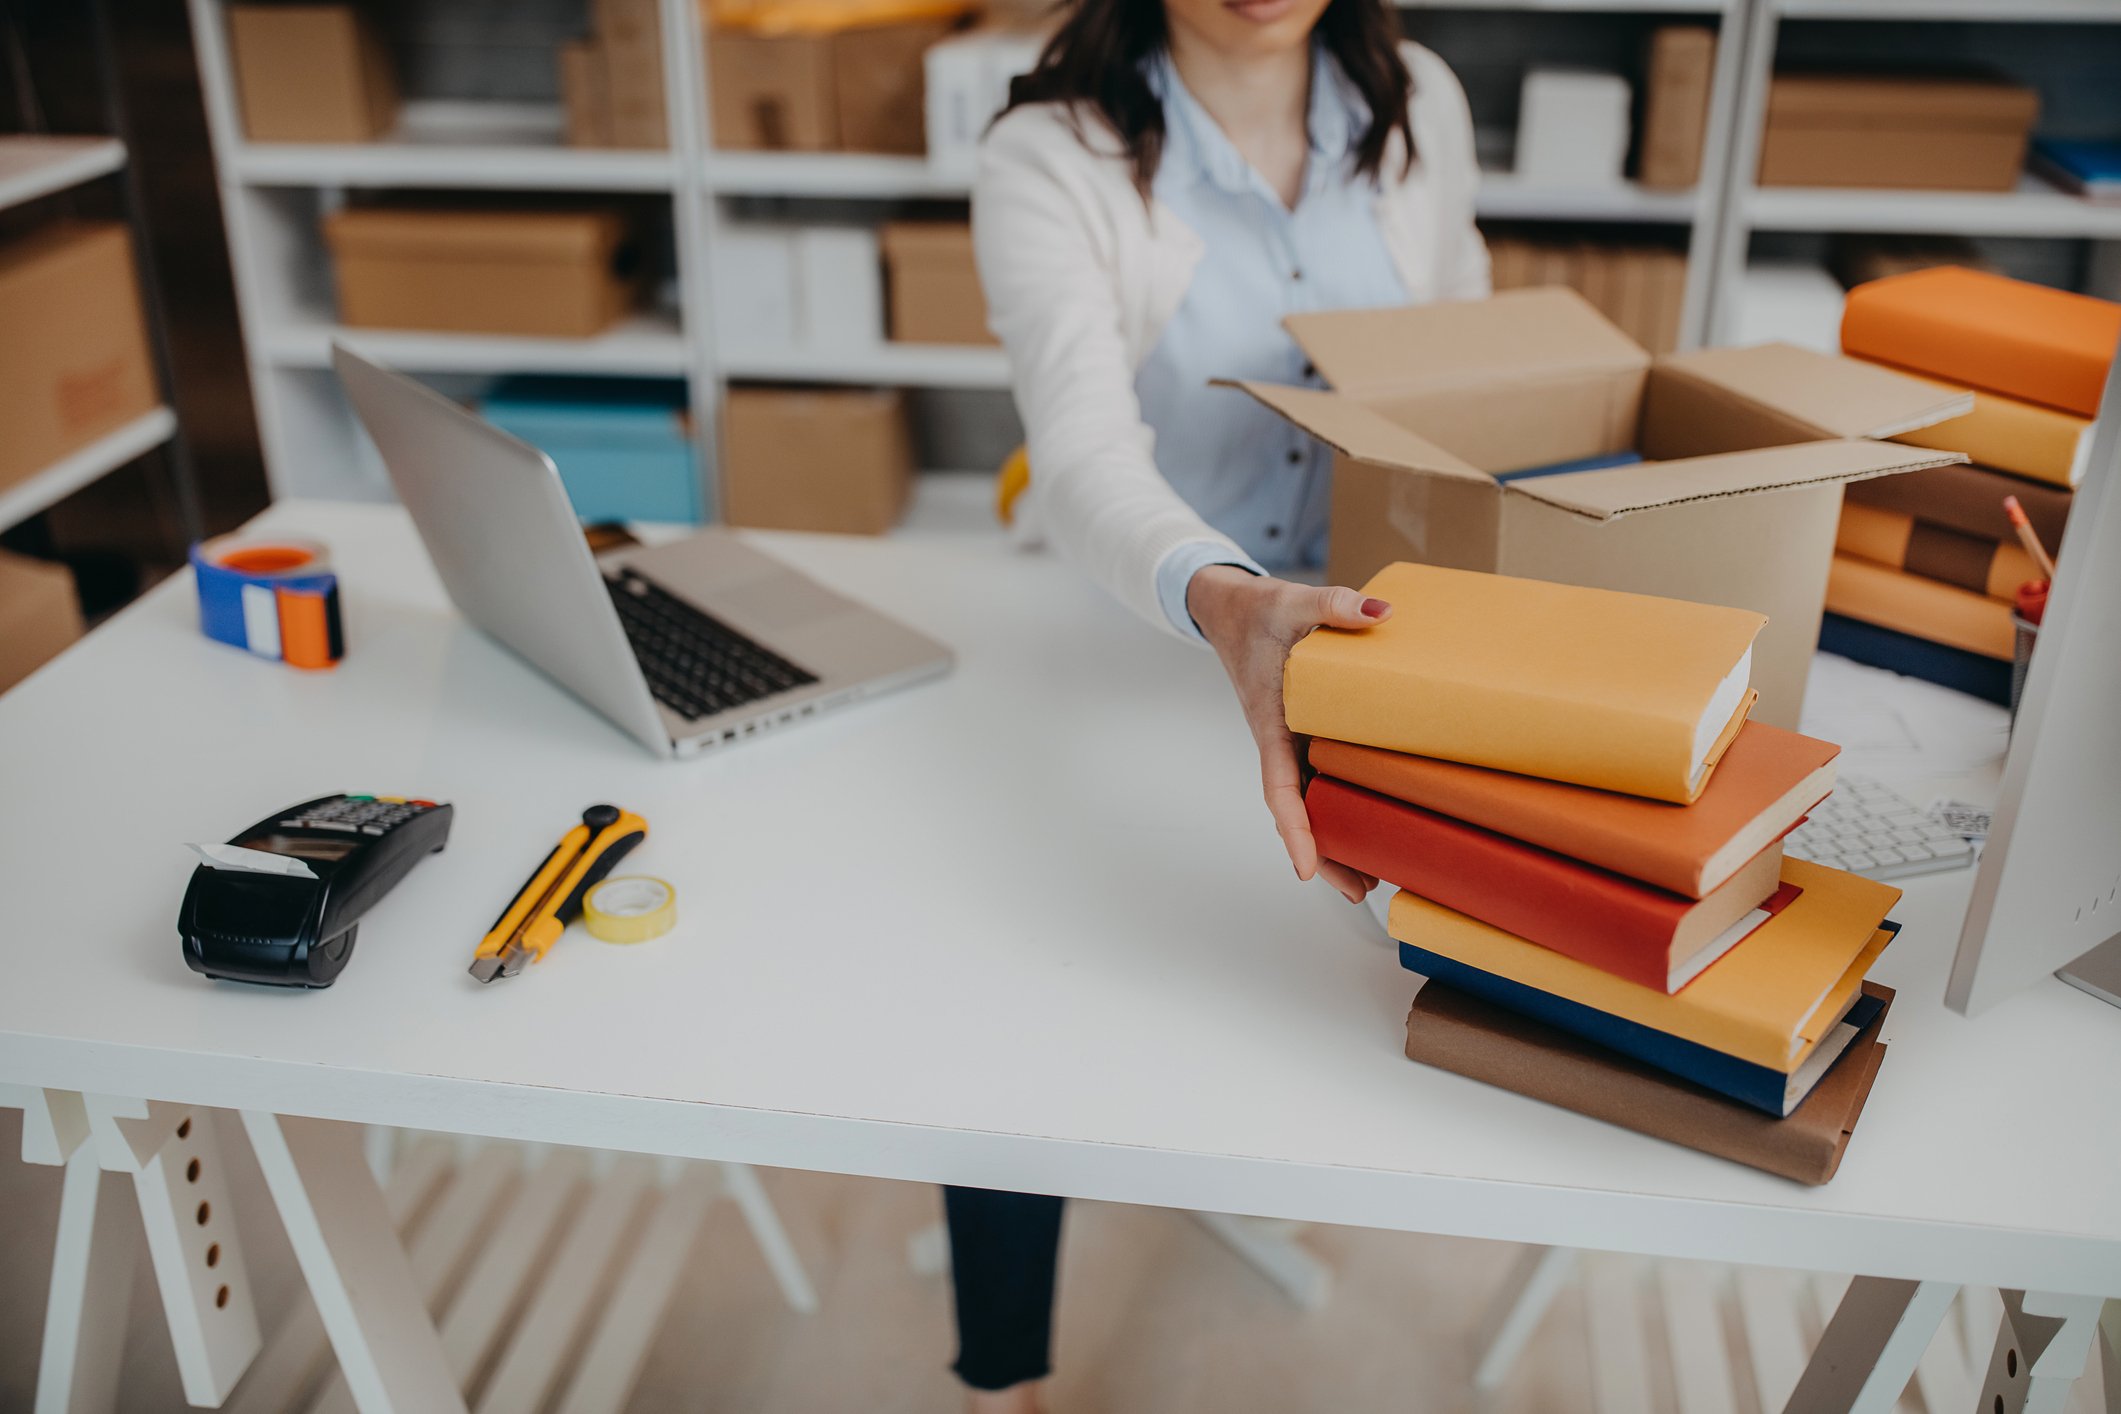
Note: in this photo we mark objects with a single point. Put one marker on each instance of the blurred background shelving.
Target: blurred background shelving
(483, 118)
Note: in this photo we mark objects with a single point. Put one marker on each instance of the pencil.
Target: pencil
(2027, 537)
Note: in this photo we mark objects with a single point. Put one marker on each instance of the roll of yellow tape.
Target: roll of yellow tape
(630, 909)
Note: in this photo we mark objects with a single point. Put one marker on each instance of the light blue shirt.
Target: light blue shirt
(1250, 474)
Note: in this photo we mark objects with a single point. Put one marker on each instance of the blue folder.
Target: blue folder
(1741, 1080)
(1599, 463)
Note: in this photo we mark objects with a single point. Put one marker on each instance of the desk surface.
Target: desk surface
(1027, 927)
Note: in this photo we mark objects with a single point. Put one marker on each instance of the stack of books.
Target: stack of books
(1926, 565)
(1586, 834)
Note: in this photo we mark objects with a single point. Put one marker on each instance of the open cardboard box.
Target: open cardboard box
(1432, 407)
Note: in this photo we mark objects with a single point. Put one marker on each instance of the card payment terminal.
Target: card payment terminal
(279, 903)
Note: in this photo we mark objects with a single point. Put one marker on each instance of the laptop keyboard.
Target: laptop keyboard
(696, 665)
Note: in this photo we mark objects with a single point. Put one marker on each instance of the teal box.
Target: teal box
(623, 445)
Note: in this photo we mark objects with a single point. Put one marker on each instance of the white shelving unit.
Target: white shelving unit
(2036, 209)
(272, 194)
(33, 167)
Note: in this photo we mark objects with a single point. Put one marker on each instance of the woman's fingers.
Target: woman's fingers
(1337, 606)
(1282, 784)
(1354, 885)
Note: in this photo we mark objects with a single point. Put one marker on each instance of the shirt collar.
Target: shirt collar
(1196, 140)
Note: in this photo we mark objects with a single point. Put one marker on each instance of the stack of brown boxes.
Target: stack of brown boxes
(612, 82)
(310, 73)
(838, 459)
(1639, 287)
(834, 77)
(933, 288)
(1895, 130)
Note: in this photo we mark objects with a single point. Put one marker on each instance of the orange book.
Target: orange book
(1625, 692)
(1765, 784)
(1926, 608)
(1968, 326)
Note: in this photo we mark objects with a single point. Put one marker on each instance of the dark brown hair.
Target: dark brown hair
(1097, 58)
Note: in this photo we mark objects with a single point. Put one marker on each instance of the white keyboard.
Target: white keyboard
(1869, 828)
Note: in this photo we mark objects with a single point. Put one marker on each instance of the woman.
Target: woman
(1175, 178)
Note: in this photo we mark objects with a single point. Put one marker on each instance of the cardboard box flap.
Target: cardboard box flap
(1360, 432)
(1841, 397)
(1404, 347)
(1607, 495)
(1900, 100)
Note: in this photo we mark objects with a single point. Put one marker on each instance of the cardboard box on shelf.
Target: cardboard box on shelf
(934, 294)
(850, 90)
(1572, 127)
(310, 73)
(633, 90)
(39, 615)
(1895, 130)
(1736, 502)
(1639, 287)
(74, 364)
(1675, 108)
(554, 273)
(582, 94)
(816, 459)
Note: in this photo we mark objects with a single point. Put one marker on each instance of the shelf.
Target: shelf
(830, 174)
(2010, 11)
(69, 474)
(1504, 196)
(891, 365)
(2034, 209)
(645, 345)
(32, 166)
(447, 144)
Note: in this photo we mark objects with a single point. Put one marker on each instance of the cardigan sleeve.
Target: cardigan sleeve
(1462, 258)
(1047, 252)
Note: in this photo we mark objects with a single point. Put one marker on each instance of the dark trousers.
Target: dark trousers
(1004, 1249)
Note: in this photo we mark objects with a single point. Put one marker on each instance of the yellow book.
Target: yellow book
(1623, 692)
(1768, 1000)
(2007, 434)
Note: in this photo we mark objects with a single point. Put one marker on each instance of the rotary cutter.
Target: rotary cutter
(552, 899)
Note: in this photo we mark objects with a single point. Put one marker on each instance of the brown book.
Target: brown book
(1899, 541)
(1470, 1037)
(1675, 116)
(1968, 499)
(1765, 784)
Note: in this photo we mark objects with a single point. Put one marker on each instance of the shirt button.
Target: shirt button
(1296, 457)
(1310, 370)
(1296, 274)
(1274, 532)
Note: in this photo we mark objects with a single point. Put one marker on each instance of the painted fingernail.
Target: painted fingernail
(1375, 608)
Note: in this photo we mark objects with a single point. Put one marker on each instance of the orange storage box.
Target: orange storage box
(555, 274)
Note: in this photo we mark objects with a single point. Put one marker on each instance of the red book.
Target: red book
(1632, 930)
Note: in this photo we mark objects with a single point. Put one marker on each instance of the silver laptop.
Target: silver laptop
(688, 645)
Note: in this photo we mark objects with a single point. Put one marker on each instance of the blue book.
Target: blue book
(1764, 1089)
(1940, 663)
(1599, 463)
(2089, 168)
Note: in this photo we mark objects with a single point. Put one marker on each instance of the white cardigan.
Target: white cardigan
(1081, 276)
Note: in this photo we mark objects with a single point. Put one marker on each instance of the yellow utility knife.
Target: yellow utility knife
(552, 899)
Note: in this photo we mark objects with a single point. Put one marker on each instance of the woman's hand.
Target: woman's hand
(1252, 623)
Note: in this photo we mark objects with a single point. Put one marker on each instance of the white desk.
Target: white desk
(1026, 928)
